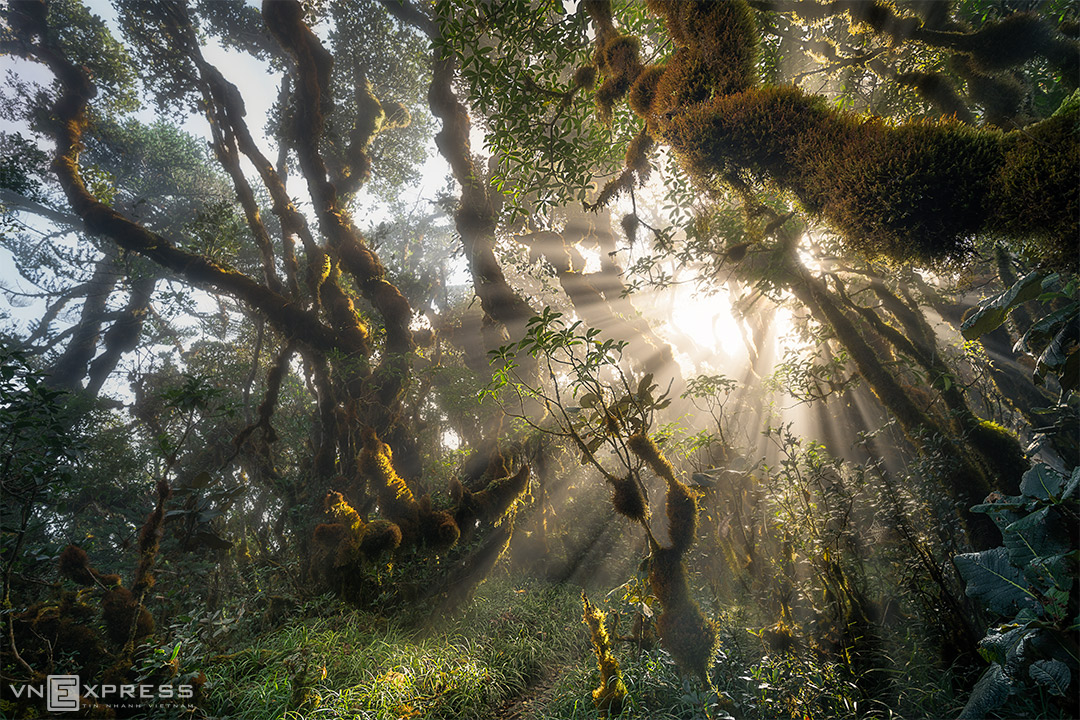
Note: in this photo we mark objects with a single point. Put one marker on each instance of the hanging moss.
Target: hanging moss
(628, 499)
(492, 502)
(611, 694)
(644, 89)
(637, 155)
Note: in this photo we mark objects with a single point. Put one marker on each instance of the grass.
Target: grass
(520, 650)
(352, 664)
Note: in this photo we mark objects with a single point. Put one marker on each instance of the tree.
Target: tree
(944, 139)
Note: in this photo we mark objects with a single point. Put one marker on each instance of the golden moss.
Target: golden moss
(643, 91)
(339, 509)
(611, 694)
(493, 501)
(396, 500)
(585, 77)
(644, 447)
(637, 155)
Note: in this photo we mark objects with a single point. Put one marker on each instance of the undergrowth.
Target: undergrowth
(347, 663)
(520, 650)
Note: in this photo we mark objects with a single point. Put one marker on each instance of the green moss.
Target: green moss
(1000, 448)
(1036, 194)
(682, 512)
(684, 630)
(494, 500)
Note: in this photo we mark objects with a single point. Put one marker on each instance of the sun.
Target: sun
(702, 328)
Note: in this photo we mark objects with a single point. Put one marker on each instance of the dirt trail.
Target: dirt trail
(533, 700)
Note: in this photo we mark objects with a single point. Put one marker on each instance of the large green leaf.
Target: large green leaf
(1006, 511)
(992, 580)
(1053, 674)
(1042, 534)
(1000, 643)
(1038, 336)
(993, 312)
(1042, 482)
(991, 691)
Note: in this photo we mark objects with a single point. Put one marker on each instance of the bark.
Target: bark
(71, 367)
(124, 335)
(966, 481)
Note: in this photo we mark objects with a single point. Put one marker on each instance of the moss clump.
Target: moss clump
(380, 536)
(628, 499)
(1001, 448)
(438, 529)
(1036, 194)
(120, 610)
(682, 510)
(611, 694)
(335, 548)
(75, 566)
(338, 508)
(643, 446)
(643, 91)
(585, 77)
(637, 155)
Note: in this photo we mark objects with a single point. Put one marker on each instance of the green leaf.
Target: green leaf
(994, 582)
(1054, 675)
(993, 689)
(1000, 643)
(1038, 336)
(1042, 482)
(1041, 534)
(993, 312)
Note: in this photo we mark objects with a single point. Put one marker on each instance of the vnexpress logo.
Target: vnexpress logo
(63, 693)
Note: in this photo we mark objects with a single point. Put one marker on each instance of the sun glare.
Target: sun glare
(703, 330)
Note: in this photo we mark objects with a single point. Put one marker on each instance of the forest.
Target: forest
(540, 359)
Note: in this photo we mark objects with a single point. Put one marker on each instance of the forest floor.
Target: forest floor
(519, 651)
(533, 703)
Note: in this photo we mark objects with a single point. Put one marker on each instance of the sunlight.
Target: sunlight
(702, 327)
